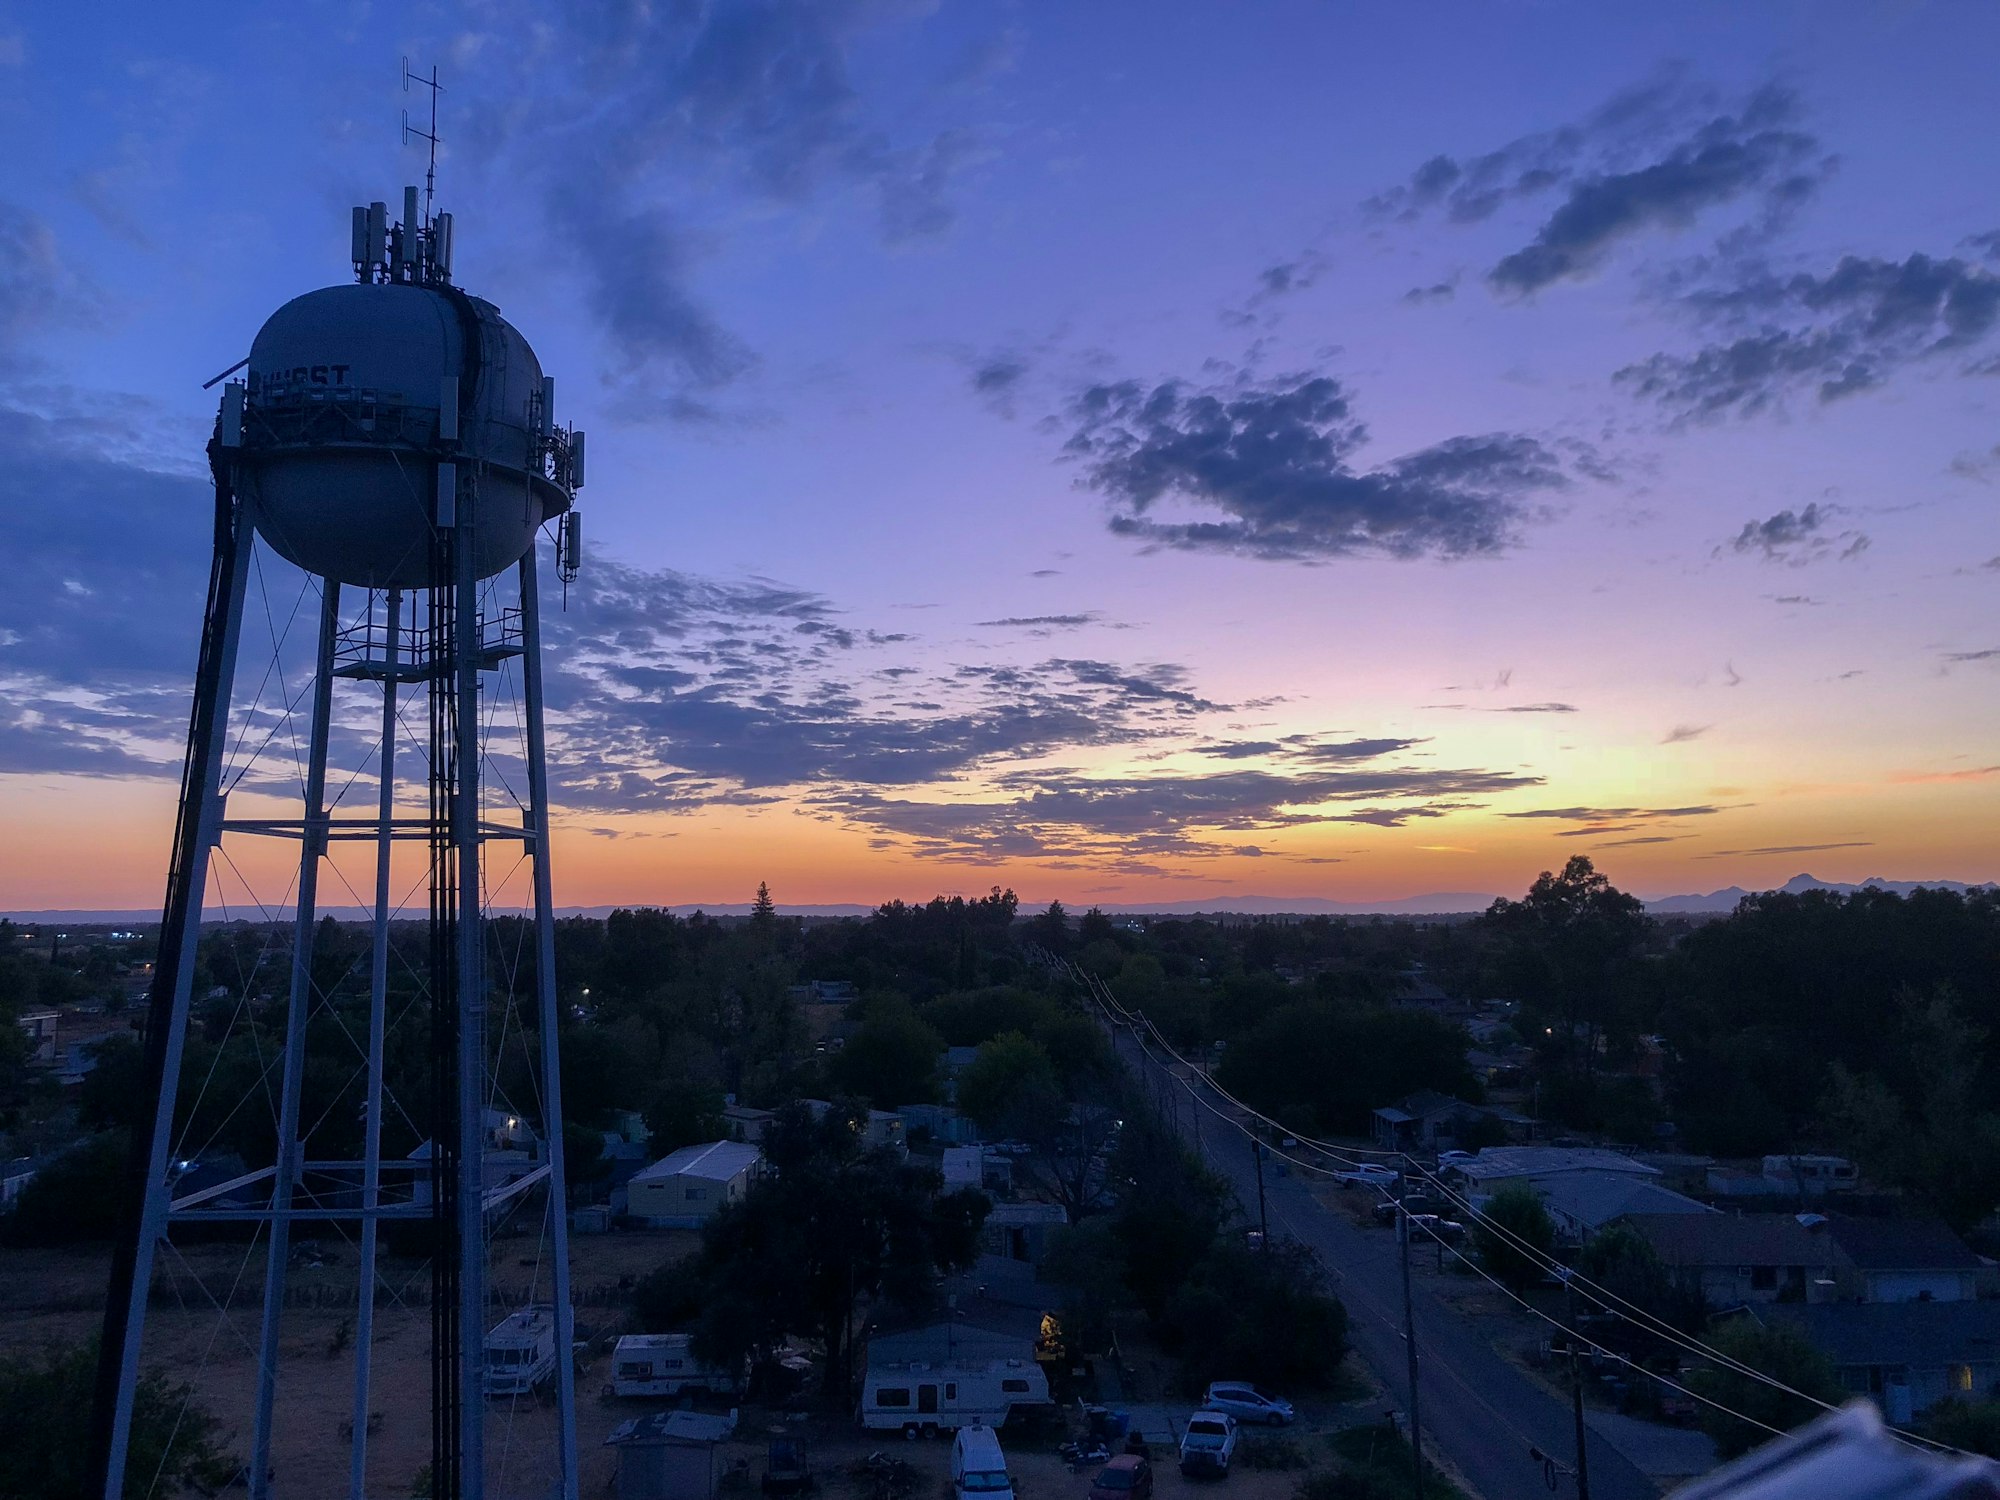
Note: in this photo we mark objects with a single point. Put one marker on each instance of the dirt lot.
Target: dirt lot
(48, 1296)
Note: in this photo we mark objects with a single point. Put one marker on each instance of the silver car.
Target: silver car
(1248, 1404)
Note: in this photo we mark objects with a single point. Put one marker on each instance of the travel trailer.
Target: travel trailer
(943, 1378)
(521, 1352)
(662, 1364)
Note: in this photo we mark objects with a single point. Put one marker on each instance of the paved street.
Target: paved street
(1479, 1411)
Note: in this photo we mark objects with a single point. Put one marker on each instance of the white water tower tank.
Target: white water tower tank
(347, 390)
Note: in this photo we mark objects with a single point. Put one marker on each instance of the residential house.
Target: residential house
(1425, 1119)
(745, 1122)
(963, 1167)
(1742, 1258)
(671, 1455)
(1903, 1260)
(1791, 1177)
(1498, 1168)
(1581, 1203)
(39, 1027)
(1906, 1356)
(684, 1190)
(1019, 1231)
(941, 1122)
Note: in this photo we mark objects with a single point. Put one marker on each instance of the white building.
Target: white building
(683, 1190)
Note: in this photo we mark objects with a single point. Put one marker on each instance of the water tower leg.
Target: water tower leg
(378, 986)
(198, 829)
(473, 1087)
(545, 990)
(285, 1180)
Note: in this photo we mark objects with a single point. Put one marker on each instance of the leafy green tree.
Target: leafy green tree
(45, 1407)
(1326, 1068)
(1619, 1260)
(828, 1225)
(1514, 1219)
(684, 1111)
(1095, 927)
(1009, 1074)
(112, 1096)
(1920, 1120)
(1570, 949)
(891, 1060)
(1051, 929)
(1973, 1426)
(1266, 1315)
(763, 911)
(1778, 1352)
(69, 1201)
(1087, 1261)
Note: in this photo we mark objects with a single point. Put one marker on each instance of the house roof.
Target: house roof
(1020, 1214)
(693, 1428)
(1496, 1162)
(1920, 1334)
(1900, 1244)
(1732, 1240)
(718, 1161)
(1594, 1199)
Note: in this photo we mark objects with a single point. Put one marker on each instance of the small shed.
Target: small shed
(670, 1455)
(683, 1190)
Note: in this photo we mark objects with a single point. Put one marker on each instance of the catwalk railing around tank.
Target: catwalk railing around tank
(362, 650)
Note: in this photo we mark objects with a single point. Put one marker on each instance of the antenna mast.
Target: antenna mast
(431, 135)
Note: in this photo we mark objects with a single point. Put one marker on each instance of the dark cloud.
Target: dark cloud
(1275, 459)
(1650, 838)
(1991, 653)
(1533, 708)
(1830, 335)
(1657, 156)
(1786, 849)
(1043, 622)
(1798, 537)
(1070, 816)
(1606, 815)
(1437, 291)
(1680, 734)
(1754, 152)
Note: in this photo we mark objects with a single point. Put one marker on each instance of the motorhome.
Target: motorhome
(978, 1467)
(521, 1352)
(663, 1364)
(946, 1377)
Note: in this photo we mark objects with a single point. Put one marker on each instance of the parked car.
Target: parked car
(1429, 1226)
(1246, 1403)
(1453, 1159)
(1368, 1174)
(1385, 1212)
(1126, 1477)
(1208, 1444)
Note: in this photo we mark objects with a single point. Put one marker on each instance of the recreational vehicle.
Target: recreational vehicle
(661, 1364)
(521, 1352)
(947, 1377)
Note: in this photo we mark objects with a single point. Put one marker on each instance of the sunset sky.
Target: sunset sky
(1125, 452)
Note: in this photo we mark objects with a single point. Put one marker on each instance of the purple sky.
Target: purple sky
(1128, 452)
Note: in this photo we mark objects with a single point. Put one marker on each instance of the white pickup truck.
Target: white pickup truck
(1208, 1443)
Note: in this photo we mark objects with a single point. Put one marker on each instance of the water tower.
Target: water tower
(396, 440)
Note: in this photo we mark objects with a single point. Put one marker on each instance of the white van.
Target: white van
(978, 1467)
(521, 1351)
(662, 1364)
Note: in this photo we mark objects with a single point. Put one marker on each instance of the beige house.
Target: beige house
(683, 1191)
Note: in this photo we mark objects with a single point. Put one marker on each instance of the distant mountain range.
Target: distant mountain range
(1431, 903)
(1726, 898)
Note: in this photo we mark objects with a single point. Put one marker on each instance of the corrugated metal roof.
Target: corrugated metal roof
(717, 1161)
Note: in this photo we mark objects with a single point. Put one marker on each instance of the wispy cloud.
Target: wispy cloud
(1798, 537)
(1772, 849)
(1680, 734)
